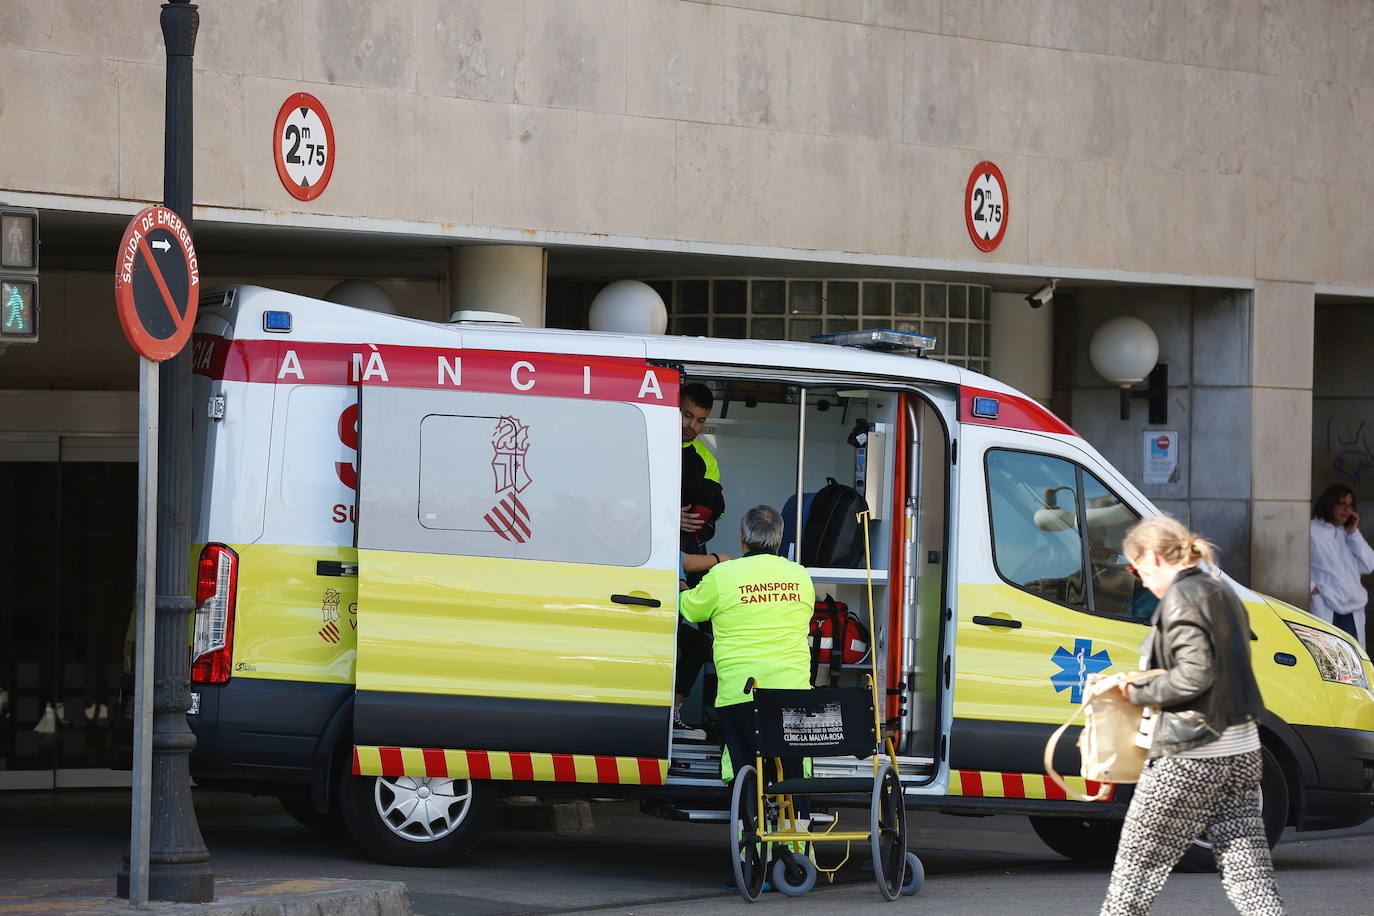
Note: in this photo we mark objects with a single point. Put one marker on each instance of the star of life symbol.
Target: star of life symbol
(1075, 667)
(329, 610)
(509, 518)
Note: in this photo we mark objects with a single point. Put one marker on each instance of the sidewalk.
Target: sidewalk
(267, 897)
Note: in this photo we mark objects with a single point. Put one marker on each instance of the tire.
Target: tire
(748, 854)
(887, 831)
(303, 812)
(798, 879)
(378, 812)
(1273, 811)
(1087, 840)
(915, 875)
(1093, 842)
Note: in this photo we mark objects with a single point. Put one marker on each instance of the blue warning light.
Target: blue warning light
(985, 408)
(279, 322)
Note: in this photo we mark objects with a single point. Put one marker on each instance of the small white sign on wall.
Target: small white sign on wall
(1161, 456)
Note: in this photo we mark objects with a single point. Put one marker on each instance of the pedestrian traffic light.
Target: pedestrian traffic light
(18, 275)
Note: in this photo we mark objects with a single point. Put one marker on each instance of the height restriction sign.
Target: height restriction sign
(303, 146)
(985, 206)
(157, 283)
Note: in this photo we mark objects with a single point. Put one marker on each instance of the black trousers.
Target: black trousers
(693, 648)
(736, 724)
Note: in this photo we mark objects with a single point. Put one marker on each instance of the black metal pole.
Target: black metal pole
(179, 863)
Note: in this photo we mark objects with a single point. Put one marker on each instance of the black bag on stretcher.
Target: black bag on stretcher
(837, 639)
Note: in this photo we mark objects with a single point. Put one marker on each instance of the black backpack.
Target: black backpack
(832, 536)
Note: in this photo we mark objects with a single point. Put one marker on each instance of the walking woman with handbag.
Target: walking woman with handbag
(1203, 770)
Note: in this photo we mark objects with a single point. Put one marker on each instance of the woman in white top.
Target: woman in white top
(1340, 555)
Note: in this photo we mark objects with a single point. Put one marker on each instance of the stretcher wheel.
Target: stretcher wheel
(915, 875)
(796, 877)
(887, 831)
(748, 853)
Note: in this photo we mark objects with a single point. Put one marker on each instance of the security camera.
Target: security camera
(1042, 295)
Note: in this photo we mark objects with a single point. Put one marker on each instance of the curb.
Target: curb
(295, 897)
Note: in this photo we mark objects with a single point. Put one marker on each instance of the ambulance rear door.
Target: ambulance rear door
(517, 549)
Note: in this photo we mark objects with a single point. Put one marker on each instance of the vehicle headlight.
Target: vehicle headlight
(1337, 660)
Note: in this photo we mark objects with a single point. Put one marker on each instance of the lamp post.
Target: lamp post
(178, 863)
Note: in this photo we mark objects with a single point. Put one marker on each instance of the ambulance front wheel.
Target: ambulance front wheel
(416, 821)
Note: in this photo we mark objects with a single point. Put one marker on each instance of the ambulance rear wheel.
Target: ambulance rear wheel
(416, 821)
(303, 812)
(1087, 840)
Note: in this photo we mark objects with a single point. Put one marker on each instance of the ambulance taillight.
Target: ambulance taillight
(217, 579)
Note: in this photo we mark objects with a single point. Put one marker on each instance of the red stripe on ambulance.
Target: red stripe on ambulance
(271, 362)
(392, 763)
(1014, 412)
(606, 770)
(564, 768)
(478, 765)
(521, 767)
(435, 764)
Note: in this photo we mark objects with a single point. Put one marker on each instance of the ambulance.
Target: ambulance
(437, 564)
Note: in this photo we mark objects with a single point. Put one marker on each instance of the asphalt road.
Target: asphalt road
(629, 863)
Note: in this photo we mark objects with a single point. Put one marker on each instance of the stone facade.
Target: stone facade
(1200, 163)
(1220, 139)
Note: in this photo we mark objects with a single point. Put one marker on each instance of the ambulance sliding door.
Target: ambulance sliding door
(518, 572)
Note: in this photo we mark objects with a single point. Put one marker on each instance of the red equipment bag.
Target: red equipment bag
(837, 638)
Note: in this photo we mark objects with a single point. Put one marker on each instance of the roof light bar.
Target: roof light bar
(881, 339)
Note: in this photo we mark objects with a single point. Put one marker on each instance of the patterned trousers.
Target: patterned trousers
(1179, 798)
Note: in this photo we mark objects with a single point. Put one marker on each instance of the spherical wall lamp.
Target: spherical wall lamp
(1125, 351)
(362, 294)
(628, 307)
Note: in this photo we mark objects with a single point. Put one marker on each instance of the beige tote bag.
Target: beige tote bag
(1109, 743)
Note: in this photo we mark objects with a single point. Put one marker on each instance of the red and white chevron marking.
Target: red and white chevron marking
(510, 519)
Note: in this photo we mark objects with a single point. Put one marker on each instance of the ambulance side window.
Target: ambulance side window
(1033, 501)
(502, 476)
(1116, 593)
(1040, 527)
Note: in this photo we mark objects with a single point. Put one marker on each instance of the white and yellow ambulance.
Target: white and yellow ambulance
(438, 564)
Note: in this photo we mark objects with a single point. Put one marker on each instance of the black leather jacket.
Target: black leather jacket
(1200, 636)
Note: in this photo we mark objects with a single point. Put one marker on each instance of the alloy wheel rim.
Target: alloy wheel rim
(422, 810)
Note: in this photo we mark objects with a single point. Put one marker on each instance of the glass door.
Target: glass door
(67, 543)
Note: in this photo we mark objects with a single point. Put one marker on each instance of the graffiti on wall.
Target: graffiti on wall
(1343, 445)
(1351, 458)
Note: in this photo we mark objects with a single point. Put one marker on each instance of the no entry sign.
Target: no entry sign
(303, 146)
(985, 206)
(157, 283)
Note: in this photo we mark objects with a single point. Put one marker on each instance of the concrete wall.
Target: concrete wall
(1210, 399)
(1240, 397)
(1221, 139)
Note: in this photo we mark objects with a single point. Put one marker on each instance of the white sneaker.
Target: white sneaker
(684, 732)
